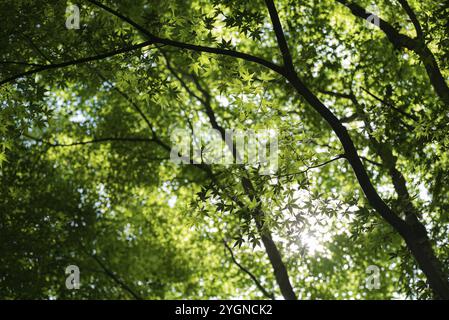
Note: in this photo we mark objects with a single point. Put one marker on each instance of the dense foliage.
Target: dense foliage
(361, 116)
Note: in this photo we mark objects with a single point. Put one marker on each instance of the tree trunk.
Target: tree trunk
(280, 271)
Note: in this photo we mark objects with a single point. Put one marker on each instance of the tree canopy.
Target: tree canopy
(356, 94)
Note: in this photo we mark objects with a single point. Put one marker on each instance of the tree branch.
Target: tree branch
(116, 278)
(280, 270)
(405, 114)
(350, 151)
(36, 48)
(77, 61)
(155, 39)
(416, 45)
(340, 156)
(354, 100)
(399, 40)
(181, 80)
(377, 164)
(252, 276)
(405, 5)
(98, 140)
(283, 46)
(135, 105)
(23, 63)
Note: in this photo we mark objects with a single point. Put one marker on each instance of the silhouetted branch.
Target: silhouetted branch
(341, 156)
(252, 276)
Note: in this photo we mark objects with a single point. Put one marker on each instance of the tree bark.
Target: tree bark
(280, 271)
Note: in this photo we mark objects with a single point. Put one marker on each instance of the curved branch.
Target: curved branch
(134, 104)
(416, 45)
(340, 156)
(116, 278)
(274, 255)
(405, 5)
(399, 40)
(253, 277)
(343, 135)
(280, 36)
(155, 39)
(345, 139)
(77, 61)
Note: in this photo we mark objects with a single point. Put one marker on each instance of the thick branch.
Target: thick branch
(350, 154)
(283, 46)
(155, 39)
(418, 241)
(399, 40)
(152, 40)
(348, 146)
(405, 5)
(417, 45)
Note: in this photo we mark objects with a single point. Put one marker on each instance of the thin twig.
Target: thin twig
(340, 156)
